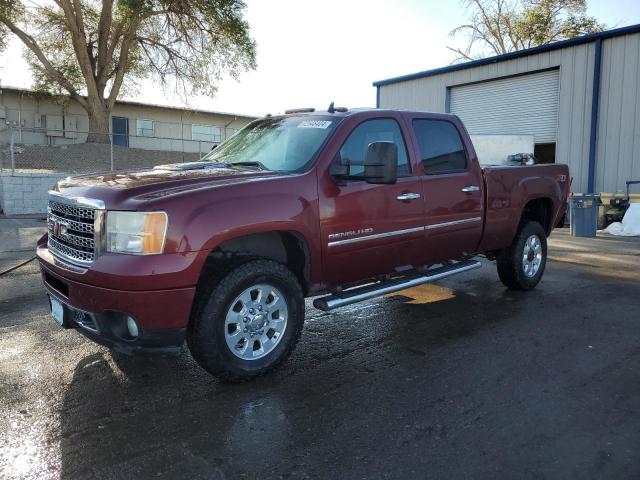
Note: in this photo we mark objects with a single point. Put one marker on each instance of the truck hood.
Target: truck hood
(159, 181)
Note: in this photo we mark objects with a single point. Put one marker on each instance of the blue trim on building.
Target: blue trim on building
(377, 97)
(517, 54)
(447, 100)
(595, 107)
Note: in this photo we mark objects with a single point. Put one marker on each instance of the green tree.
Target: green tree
(502, 26)
(94, 50)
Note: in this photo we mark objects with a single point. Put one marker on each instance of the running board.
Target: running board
(359, 294)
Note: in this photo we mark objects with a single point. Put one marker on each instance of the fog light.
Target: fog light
(132, 326)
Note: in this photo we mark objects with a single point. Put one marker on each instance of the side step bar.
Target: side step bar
(359, 294)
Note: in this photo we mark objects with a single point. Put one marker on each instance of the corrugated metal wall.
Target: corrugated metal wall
(618, 147)
(521, 105)
(574, 115)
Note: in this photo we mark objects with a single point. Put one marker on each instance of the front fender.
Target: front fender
(203, 220)
(212, 225)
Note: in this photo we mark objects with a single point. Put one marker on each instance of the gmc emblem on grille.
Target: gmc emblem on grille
(59, 228)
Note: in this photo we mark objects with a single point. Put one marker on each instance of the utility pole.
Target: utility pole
(11, 147)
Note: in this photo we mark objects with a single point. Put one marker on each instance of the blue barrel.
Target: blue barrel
(584, 214)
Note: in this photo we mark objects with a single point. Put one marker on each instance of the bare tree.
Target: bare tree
(92, 49)
(502, 26)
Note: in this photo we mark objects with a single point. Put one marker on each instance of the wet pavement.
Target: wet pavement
(463, 379)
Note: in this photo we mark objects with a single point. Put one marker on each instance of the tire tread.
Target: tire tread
(214, 292)
(509, 261)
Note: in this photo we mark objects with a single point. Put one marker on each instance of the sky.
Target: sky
(310, 53)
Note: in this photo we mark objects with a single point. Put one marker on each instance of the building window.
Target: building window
(205, 133)
(145, 128)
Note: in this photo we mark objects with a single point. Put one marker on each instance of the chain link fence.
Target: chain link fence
(46, 150)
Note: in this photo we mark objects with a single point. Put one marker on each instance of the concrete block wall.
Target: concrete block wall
(24, 193)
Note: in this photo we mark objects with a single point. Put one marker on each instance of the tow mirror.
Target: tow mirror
(339, 170)
(381, 163)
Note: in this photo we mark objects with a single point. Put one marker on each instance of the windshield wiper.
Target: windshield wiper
(260, 165)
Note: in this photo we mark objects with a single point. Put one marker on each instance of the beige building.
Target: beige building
(43, 139)
(34, 119)
(579, 99)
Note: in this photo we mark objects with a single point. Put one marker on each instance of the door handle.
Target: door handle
(471, 188)
(408, 196)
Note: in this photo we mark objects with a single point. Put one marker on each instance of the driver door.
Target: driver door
(369, 230)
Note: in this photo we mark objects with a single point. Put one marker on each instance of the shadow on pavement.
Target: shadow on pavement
(137, 417)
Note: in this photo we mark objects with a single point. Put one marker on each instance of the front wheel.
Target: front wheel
(521, 266)
(250, 321)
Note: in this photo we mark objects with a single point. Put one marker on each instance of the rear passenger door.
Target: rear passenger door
(451, 186)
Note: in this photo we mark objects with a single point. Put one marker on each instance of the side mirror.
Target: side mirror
(381, 163)
(339, 170)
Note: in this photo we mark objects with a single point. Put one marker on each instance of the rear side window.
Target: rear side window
(441, 148)
(355, 147)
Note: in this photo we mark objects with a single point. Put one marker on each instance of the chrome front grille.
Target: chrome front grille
(71, 211)
(75, 255)
(71, 230)
(73, 225)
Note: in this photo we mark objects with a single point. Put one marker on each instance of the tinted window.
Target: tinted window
(383, 130)
(441, 148)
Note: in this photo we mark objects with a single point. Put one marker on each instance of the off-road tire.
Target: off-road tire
(510, 261)
(206, 332)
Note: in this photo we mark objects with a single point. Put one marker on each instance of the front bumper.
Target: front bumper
(101, 313)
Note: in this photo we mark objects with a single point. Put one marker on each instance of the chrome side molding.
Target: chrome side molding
(395, 233)
(455, 222)
(375, 235)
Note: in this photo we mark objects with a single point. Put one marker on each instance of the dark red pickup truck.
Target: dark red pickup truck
(343, 205)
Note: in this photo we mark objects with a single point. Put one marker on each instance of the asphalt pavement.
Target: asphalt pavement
(463, 379)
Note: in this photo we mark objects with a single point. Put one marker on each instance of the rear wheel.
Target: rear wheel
(521, 266)
(249, 322)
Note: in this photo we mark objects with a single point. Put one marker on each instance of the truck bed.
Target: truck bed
(508, 189)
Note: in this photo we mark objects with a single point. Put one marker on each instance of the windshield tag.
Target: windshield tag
(323, 124)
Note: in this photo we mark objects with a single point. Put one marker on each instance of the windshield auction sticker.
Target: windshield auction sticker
(323, 124)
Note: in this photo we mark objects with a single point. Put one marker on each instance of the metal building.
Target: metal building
(579, 98)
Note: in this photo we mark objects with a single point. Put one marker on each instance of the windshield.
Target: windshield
(284, 144)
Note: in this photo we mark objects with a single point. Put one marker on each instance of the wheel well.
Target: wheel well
(539, 210)
(288, 248)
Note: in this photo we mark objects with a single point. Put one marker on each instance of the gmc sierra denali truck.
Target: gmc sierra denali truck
(340, 205)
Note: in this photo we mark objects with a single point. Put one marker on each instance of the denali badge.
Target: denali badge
(350, 233)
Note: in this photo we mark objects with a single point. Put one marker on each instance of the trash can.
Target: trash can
(584, 214)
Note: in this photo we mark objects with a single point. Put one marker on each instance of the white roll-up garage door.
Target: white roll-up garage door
(522, 105)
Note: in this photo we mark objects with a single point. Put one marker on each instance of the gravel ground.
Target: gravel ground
(463, 379)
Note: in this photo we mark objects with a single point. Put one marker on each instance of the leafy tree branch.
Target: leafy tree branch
(496, 27)
(94, 50)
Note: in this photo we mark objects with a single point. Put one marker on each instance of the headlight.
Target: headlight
(138, 233)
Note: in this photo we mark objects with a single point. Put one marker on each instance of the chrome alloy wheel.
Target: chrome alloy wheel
(256, 322)
(532, 256)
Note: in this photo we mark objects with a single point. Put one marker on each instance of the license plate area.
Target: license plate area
(57, 311)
